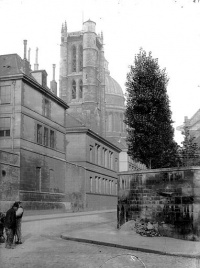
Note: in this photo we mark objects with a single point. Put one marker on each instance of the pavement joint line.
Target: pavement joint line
(158, 252)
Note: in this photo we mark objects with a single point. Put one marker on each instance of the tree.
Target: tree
(148, 115)
(189, 151)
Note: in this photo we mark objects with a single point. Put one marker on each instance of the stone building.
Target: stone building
(32, 124)
(61, 162)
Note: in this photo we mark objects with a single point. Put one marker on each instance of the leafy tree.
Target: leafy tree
(189, 151)
(148, 115)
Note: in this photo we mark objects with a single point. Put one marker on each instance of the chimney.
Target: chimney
(26, 64)
(29, 54)
(36, 65)
(25, 47)
(53, 83)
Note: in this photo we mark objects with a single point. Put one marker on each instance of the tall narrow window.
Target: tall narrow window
(39, 134)
(91, 154)
(38, 179)
(80, 58)
(46, 108)
(74, 59)
(73, 89)
(4, 127)
(52, 181)
(46, 136)
(99, 185)
(52, 139)
(5, 94)
(80, 89)
(96, 182)
(91, 184)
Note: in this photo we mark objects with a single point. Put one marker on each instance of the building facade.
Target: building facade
(56, 166)
(32, 124)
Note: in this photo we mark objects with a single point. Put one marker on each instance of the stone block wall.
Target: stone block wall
(9, 179)
(170, 197)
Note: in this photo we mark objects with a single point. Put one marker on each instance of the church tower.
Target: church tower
(82, 75)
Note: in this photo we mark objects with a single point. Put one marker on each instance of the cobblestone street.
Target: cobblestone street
(44, 248)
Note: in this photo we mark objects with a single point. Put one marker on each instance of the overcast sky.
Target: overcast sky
(168, 28)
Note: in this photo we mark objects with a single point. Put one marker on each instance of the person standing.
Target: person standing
(10, 225)
(19, 214)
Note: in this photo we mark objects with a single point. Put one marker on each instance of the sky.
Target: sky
(170, 29)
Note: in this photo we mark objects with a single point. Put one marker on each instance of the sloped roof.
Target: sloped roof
(10, 65)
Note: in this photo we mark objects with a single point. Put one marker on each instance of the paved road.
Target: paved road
(44, 248)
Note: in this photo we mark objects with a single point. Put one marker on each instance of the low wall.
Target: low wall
(170, 197)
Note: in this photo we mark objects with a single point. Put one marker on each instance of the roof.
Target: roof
(10, 64)
(112, 87)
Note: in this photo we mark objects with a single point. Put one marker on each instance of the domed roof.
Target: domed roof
(112, 87)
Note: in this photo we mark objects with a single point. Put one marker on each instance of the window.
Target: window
(80, 58)
(73, 89)
(4, 127)
(91, 184)
(46, 136)
(99, 185)
(103, 186)
(52, 139)
(96, 181)
(116, 164)
(91, 150)
(111, 160)
(46, 108)
(80, 89)
(106, 158)
(74, 59)
(110, 187)
(52, 181)
(38, 179)
(39, 134)
(5, 94)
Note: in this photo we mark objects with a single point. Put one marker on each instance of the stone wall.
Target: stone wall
(9, 179)
(168, 196)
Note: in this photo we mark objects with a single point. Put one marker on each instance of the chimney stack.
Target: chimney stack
(36, 65)
(25, 47)
(54, 66)
(29, 54)
(53, 83)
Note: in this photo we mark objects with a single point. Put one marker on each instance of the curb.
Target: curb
(128, 247)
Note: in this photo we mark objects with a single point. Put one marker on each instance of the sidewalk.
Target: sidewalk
(108, 235)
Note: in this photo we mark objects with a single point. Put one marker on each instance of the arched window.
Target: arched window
(73, 89)
(80, 58)
(74, 59)
(80, 89)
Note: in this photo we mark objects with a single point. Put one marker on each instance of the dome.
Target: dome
(112, 87)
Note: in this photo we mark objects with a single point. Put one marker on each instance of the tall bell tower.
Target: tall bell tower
(82, 75)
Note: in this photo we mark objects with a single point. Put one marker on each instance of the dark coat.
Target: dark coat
(10, 219)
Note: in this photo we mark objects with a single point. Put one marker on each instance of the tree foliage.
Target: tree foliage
(189, 152)
(148, 115)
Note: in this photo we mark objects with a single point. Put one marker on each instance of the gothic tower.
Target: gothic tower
(82, 75)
